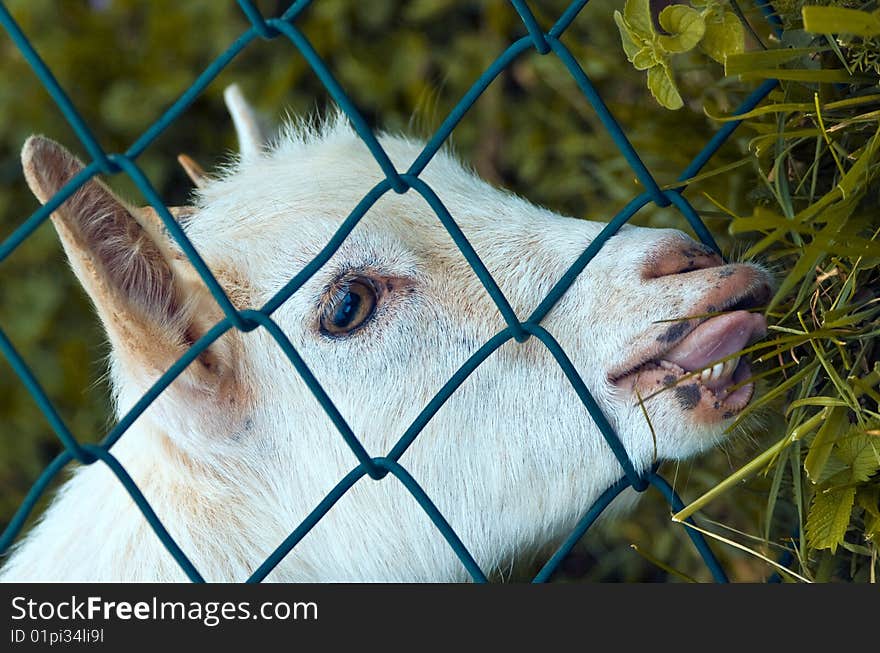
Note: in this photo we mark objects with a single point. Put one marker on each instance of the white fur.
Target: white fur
(511, 460)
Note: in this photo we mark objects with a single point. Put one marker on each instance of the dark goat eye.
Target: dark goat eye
(351, 311)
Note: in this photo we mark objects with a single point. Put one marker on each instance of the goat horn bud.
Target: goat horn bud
(193, 170)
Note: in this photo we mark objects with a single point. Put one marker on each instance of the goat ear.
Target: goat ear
(251, 139)
(152, 303)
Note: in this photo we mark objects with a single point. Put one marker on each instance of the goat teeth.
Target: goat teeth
(717, 370)
(730, 366)
(706, 375)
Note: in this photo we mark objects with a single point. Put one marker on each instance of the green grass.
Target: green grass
(815, 221)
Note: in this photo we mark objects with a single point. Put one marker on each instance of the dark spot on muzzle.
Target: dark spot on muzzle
(688, 396)
(726, 272)
(674, 332)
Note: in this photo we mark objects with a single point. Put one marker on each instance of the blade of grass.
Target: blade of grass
(754, 466)
(746, 549)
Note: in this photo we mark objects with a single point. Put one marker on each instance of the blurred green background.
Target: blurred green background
(405, 65)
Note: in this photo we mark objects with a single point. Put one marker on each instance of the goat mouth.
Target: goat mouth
(703, 369)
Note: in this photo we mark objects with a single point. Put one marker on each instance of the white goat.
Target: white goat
(237, 451)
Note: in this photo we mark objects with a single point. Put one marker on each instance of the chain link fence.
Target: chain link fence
(377, 468)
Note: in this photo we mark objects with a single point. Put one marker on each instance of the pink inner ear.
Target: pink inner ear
(130, 259)
(108, 248)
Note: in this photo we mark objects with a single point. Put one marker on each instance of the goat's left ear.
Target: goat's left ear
(151, 301)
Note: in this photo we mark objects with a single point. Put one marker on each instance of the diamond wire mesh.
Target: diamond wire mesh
(377, 468)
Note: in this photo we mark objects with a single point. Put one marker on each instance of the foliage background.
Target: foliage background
(405, 64)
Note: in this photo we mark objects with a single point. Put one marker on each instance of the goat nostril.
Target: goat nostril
(679, 260)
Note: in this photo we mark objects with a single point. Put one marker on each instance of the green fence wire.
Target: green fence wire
(377, 468)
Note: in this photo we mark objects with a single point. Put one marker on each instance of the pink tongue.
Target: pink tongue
(717, 338)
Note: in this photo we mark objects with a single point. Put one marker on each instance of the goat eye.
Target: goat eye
(351, 311)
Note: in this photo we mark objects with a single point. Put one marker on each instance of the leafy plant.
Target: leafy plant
(814, 219)
(707, 24)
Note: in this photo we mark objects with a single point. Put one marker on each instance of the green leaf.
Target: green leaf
(724, 38)
(685, 26)
(638, 17)
(762, 219)
(663, 88)
(633, 44)
(644, 59)
(821, 446)
(860, 452)
(647, 51)
(828, 518)
(837, 20)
